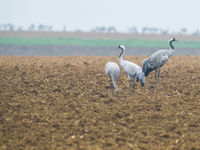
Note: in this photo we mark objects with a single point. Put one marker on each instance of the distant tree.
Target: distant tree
(152, 30)
(144, 30)
(149, 30)
(31, 27)
(163, 31)
(103, 29)
(98, 29)
(132, 30)
(41, 27)
(111, 29)
(183, 31)
(9, 27)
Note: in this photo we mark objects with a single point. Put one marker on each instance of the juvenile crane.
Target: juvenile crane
(131, 69)
(157, 60)
(113, 71)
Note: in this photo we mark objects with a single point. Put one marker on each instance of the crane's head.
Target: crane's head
(172, 40)
(117, 90)
(121, 47)
(141, 77)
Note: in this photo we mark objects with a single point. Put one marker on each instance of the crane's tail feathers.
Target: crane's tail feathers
(144, 64)
(147, 72)
(145, 67)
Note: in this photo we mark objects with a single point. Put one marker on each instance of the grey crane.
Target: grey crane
(157, 60)
(131, 69)
(113, 71)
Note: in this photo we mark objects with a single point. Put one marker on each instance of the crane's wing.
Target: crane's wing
(159, 58)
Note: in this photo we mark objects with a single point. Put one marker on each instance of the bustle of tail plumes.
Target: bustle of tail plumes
(147, 67)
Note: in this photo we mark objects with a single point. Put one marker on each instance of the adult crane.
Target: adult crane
(157, 60)
(131, 69)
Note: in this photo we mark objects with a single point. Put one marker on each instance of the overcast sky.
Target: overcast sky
(87, 14)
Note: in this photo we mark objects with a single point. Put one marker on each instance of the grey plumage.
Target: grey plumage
(112, 70)
(157, 60)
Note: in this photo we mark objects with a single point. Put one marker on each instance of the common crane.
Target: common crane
(157, 60)
(131, 69)
(113, 71)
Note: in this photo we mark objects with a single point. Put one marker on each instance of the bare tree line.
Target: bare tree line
(152, 30)
(98, 29)
(32, 27)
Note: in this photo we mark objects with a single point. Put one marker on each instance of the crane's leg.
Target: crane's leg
(133, 85)
(158, 76)
(111, 87)
(114, 80)
(129, 87)
(155, 77)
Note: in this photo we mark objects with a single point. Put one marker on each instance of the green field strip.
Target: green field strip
(96, 42)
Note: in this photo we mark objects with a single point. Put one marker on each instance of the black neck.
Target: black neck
(170, 43)
(120, 55)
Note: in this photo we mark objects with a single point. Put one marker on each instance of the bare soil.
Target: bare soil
(65, 103)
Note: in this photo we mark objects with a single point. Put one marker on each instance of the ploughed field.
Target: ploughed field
(65, 103)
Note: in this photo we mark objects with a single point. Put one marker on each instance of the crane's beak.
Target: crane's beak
(176, 40)
(142, 84)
